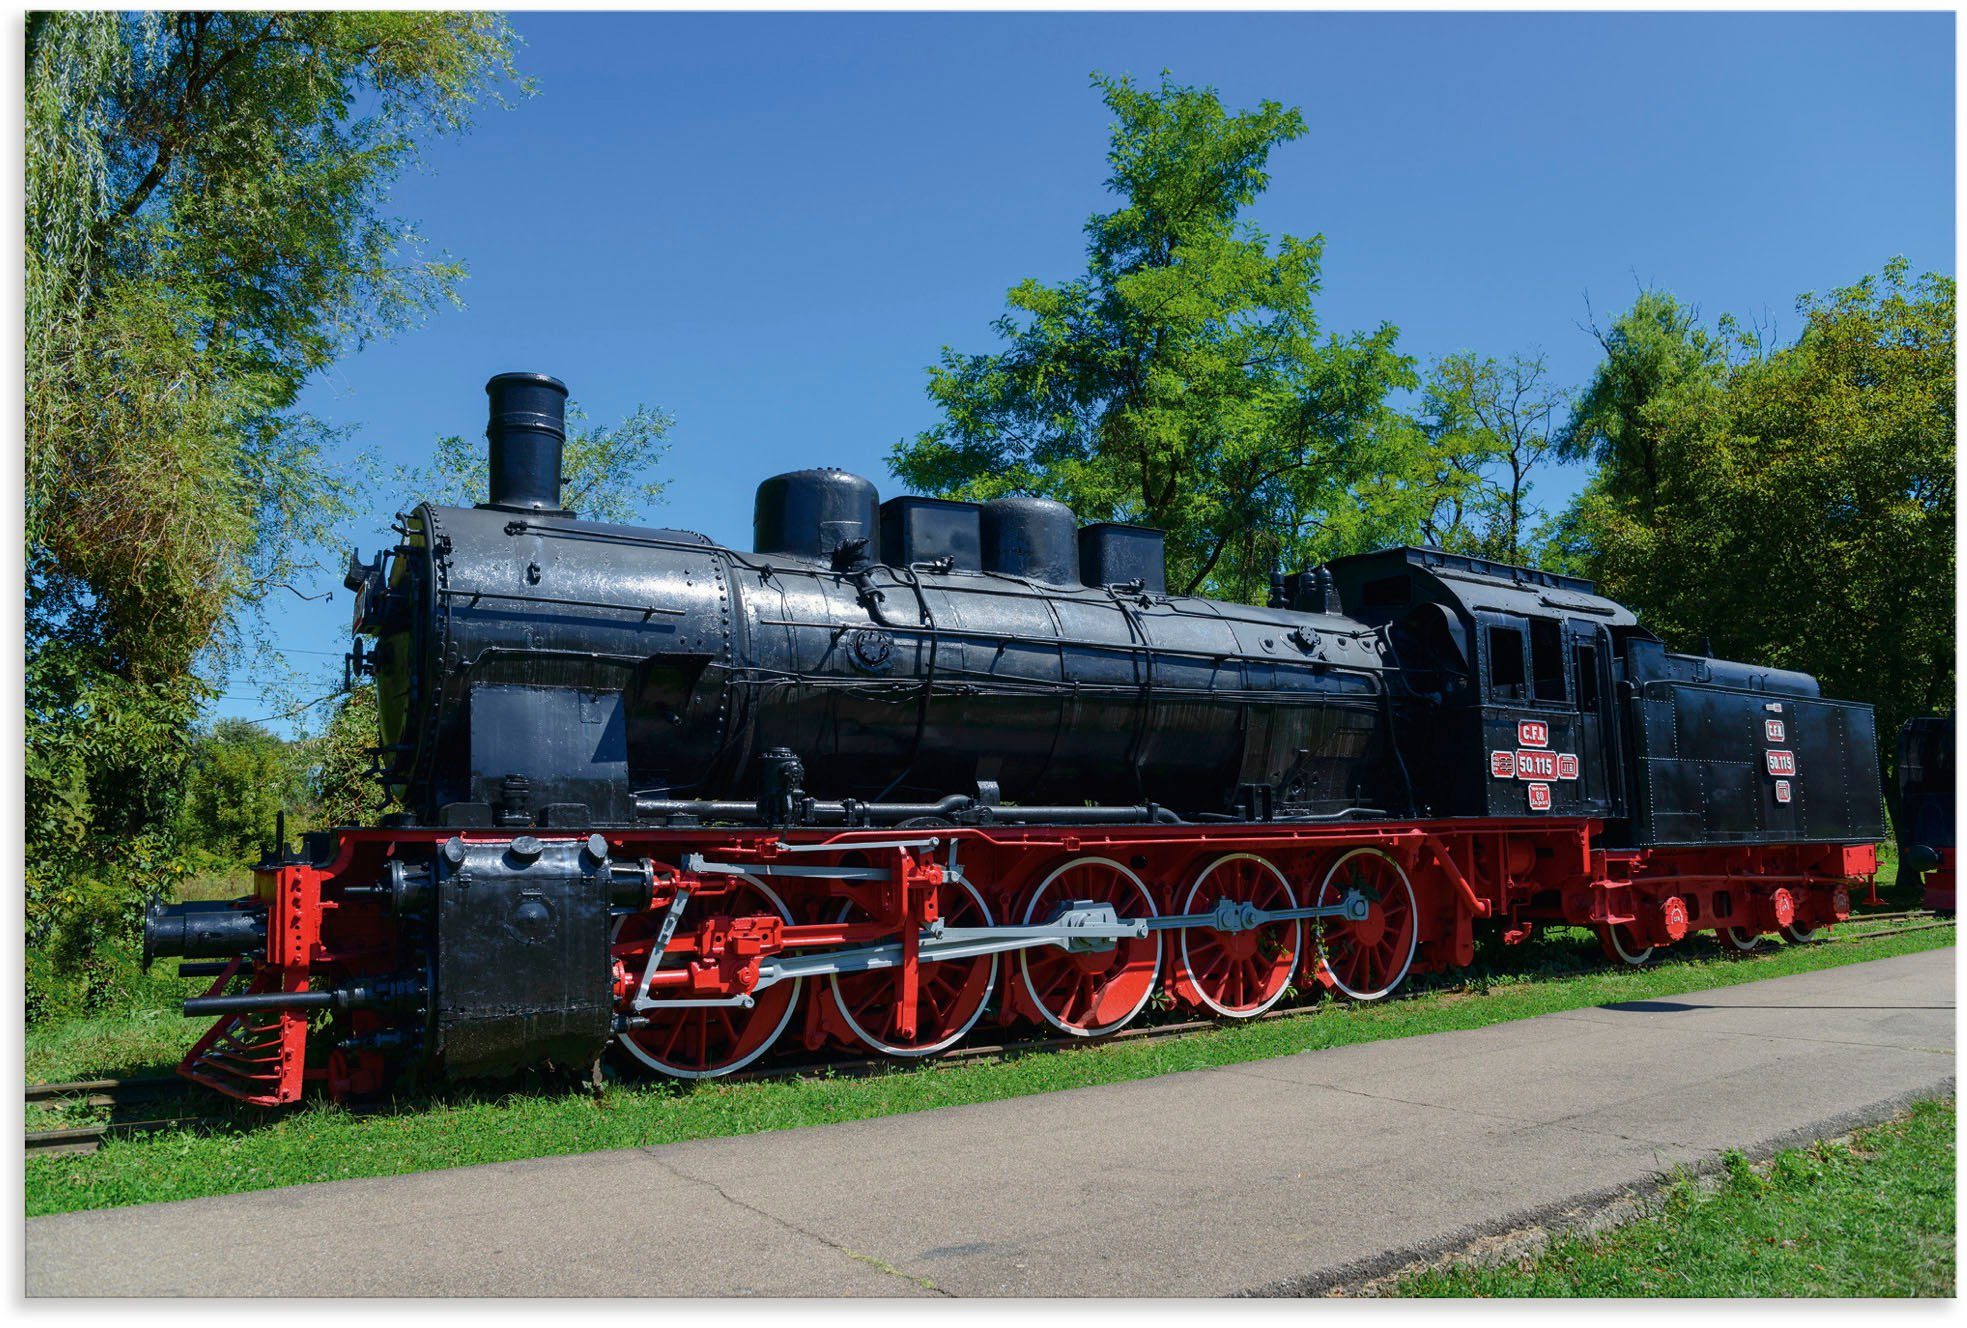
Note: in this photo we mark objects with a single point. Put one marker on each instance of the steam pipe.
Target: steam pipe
(253, 1001)
(365, 994)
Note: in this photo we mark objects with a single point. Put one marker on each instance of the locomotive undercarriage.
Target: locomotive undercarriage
(696, 953)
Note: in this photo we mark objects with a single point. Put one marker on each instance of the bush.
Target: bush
(344, 791)
(241, 778)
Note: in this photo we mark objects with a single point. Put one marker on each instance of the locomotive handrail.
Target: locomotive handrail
(987, 684)
(842, 812)
(842, 846)
(522, 527)
(646, 610)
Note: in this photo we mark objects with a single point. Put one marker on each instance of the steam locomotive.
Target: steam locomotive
(906, 766)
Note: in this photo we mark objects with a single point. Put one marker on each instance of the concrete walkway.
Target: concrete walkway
(1270, 1175)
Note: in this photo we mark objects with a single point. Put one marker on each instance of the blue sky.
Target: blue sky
(768, 225)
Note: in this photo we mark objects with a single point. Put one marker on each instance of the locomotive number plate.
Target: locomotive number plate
(1782, 790)
(1772, 729)
(1502, 765)
(1536, 765)
(1781, 762)
(1539, 797)
(1532, 733)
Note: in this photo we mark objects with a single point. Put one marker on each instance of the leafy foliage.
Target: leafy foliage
(241, 778)
(1659, 365)
(1796, 505)
(204, 195)
(1182, 382)
(344, 792)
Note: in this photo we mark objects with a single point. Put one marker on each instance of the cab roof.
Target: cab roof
(1381, 586)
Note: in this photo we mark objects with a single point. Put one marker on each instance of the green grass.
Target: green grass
(1873, 1217)
(540, 1118)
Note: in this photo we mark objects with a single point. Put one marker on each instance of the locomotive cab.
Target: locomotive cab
(1512, 670)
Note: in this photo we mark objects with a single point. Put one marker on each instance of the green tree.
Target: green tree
(344, 792)
(205, 204)
(1660, 367)
(1493, 422)
(607, 473)
(1182, 381)
(1795, 504)
(241, 777)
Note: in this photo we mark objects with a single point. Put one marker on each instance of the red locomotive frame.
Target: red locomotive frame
(746, 905)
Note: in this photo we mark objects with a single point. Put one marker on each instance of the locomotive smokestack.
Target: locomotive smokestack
(527, 428)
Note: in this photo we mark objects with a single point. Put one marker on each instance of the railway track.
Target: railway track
(1893, 931)
(1864, 926)
(88, 1138)
(117, 1094)
(106, 1092)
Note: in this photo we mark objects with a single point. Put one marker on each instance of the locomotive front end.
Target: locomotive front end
(470, 932)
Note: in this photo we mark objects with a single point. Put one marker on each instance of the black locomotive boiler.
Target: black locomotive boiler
(907, 765)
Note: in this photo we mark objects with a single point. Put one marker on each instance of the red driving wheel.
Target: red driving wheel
(1368, 959)
(1099, 988)
(1239, 973)
(949, 997)
(702, 1042)
(1621, 943)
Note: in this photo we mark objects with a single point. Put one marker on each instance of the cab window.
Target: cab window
(1506, 676)
(1547, 658)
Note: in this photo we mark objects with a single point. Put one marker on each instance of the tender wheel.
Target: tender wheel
(1621, 946)
(949, 995)
(1240, 973)
(1796, 935)
(1091, 992)
(702, 1042)
(1739, 939)
(1366, 960)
